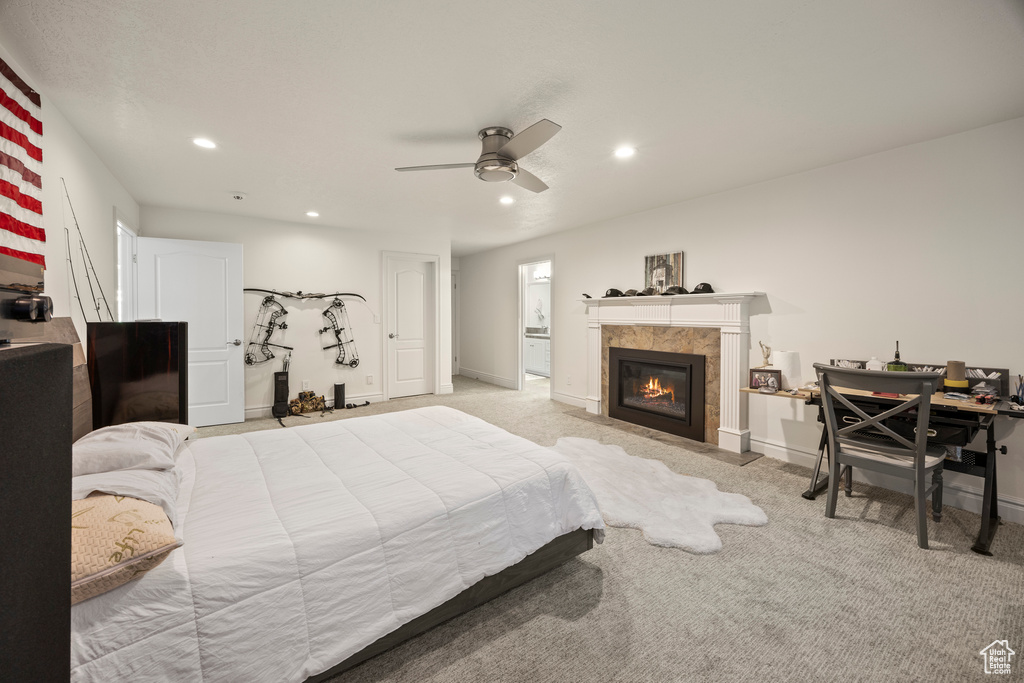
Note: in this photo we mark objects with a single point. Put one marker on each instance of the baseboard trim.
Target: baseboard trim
(257, 412)
(577, 401)
(487, 377)
(783, 453)
(954, 490)
(447, 388)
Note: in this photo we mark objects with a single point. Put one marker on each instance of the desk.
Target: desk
(946, 413)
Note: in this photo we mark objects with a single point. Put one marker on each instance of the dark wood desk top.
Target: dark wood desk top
(1000, 408)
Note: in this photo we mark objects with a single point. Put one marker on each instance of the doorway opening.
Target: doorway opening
(126, 272)
(456, 319)
(534, 331)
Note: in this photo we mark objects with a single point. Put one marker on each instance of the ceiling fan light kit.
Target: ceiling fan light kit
(496, 170)
(501, 150)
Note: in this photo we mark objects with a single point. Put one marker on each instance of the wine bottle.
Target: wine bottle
(896, 365)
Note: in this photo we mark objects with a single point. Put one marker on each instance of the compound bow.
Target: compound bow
(258, 348)
(337, 316)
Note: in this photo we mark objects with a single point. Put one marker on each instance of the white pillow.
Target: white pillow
(153, 486)
(129, 446)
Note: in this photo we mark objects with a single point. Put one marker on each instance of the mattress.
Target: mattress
(304, 545)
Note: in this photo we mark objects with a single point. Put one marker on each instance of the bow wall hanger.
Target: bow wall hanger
(303, 295)
(337, 319)
(268, 319)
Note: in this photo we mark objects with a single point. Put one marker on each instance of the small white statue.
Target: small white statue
(766, 351)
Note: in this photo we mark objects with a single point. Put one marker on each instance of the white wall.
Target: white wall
(921, 244)
(95, 195)
(295, 256)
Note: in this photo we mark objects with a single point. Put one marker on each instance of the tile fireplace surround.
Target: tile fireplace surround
(714, 325)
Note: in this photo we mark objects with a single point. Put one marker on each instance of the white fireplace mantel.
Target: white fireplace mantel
(728, 312)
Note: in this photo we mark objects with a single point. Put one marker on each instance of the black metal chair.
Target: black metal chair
(894, 441)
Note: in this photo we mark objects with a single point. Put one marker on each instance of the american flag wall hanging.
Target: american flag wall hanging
(22, 238)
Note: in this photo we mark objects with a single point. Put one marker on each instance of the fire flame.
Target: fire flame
(653, 389)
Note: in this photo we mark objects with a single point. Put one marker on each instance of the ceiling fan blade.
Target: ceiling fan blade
(435, 167)
(528, 181)
(530, 139)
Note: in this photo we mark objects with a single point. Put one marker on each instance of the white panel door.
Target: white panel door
(410, 327)
(200, 283)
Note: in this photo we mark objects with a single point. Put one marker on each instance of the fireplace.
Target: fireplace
(715, 325)
(657, 389)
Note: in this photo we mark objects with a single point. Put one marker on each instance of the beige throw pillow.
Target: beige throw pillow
(115, 539)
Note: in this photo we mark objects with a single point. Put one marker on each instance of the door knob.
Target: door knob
(392, 336)
(237, 342)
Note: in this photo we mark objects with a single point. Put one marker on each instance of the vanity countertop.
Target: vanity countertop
(538, 336)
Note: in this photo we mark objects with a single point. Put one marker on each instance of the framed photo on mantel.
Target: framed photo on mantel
(766, 380)
(663, 270)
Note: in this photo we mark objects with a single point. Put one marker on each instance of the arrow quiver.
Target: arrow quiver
(337, 319)
(268, 318)
(280, 407)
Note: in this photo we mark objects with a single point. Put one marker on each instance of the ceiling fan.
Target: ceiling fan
(501, 151)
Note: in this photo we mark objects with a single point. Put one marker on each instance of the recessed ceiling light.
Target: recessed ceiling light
(506, 200)
(625, 152)
(203, 142)
(312, 214)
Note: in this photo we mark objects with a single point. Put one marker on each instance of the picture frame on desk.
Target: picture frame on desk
(767, 380)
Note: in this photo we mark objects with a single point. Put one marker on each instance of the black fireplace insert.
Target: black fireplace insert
(658, 389)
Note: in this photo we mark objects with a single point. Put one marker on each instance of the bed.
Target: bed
(305, 550)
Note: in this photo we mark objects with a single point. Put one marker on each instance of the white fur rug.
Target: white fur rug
(670, 509)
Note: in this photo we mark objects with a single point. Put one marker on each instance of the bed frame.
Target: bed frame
(555, 553)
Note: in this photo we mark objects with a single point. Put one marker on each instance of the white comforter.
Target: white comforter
(304, 545)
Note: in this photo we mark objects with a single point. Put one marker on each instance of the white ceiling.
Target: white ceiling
(314, 103)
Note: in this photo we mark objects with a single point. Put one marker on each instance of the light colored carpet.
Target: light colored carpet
(804, 598)
(671, 510)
